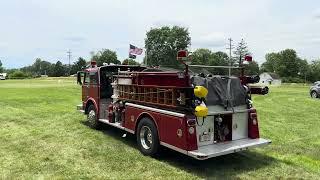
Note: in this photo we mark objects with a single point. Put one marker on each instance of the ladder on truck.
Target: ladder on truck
(157, 95)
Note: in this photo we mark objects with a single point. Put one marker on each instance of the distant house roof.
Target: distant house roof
(273, 75)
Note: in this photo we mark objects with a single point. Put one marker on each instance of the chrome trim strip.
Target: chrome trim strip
(106, 121)
(174, 148)
(156, 110)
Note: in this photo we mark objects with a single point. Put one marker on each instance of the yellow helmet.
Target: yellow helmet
(200, 91)
(201, 111)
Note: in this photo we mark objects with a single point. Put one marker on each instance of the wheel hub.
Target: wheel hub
(314, 95)
(146, 137)
(92, 116)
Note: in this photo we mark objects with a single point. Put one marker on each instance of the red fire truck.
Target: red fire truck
(199, 115)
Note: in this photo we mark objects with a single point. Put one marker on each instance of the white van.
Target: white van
(2, 77)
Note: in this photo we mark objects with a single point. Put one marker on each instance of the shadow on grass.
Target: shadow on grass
(227, 166)
(224, 167)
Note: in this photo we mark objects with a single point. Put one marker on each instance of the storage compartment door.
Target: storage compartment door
(239, 126)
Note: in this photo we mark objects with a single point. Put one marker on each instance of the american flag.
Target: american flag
(133, 50)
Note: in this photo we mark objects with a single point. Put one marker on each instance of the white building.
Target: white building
(268, 78)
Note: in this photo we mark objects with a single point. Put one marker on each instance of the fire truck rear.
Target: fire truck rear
(202, 116)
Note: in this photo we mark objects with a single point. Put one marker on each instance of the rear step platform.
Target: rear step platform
(213, 150)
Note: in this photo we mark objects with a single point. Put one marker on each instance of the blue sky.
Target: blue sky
(47, 29)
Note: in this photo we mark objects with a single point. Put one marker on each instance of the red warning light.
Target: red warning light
(248, 58)
(93, 63)
(182, 55)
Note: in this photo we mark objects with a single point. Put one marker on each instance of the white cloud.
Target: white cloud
(210, 40)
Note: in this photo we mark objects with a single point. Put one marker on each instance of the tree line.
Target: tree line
(161, 46)
(45, 68)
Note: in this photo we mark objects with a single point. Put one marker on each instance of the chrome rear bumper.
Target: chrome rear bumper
(213, 150)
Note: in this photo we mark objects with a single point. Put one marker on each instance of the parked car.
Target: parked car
(315, 90)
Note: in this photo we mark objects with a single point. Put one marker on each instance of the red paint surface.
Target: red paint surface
(161, 79)
(253, 129)
(167, 126)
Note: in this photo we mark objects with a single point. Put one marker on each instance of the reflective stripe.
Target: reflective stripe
(156, 110)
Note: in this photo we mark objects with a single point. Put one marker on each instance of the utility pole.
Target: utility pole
(230, 47)
(69, 56)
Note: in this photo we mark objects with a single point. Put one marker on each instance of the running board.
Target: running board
(116, 124)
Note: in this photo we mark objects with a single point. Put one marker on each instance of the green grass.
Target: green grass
(43, 136)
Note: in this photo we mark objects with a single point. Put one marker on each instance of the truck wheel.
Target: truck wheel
(314, 94)
(92, 117)
(147, 137)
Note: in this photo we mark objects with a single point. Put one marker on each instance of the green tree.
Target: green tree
(219, 59)
(304, 69)
(18, 75)
(78, 65)
(130, 61)
(202, 57)
(314, 71)
(105, 56)
(59, 69)
(46, 68)
(271, 62)
(36, 66)
(252, 68)
(162, 45)
(240, 52)
(288, 63)
(207, 57)
(1, 68)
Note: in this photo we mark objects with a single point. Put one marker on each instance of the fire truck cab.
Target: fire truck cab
(199, 116)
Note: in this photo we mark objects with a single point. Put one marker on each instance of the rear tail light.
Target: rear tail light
(253, 126)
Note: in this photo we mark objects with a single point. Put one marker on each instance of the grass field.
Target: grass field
(43, 136)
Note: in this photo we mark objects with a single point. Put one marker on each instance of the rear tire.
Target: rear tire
(314, 94)
(92, 117)
(147, 137)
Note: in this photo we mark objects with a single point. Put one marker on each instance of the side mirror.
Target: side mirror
(80, 77)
